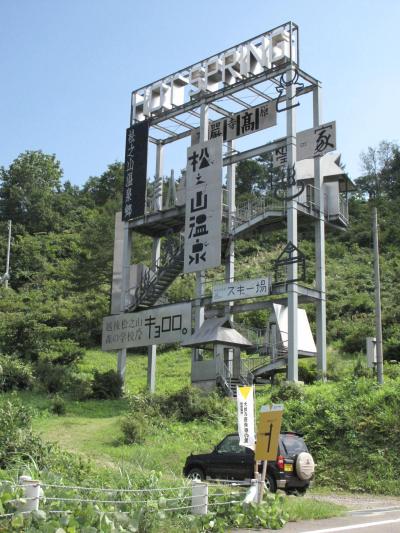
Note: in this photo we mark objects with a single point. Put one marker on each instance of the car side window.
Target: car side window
(231, 445)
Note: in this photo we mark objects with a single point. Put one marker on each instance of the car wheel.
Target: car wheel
(270, 483)
(196, 474)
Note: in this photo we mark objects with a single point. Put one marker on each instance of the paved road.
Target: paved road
(367, 521)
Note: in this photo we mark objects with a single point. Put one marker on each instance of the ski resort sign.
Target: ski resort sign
(240, 290)
(162, 325)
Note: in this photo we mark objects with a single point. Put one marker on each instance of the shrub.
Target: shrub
(287, 391)
(58, 406)
(17, 440)
(134, 429)
(308, 373)
(14, 374)
(62, 352)
(80, 387)
(53, 378)
(191, 403)
(361, 370)
(186, 405)
(106, 385)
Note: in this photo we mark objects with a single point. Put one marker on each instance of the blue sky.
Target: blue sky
(68, 67)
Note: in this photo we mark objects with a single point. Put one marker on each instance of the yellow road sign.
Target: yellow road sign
(268, 432)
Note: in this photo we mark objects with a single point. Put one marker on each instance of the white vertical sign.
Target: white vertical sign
(203, 218)
(245, 407)
(315, 142)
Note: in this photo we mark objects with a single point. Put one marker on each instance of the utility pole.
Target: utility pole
(378, 314)
(6, 276)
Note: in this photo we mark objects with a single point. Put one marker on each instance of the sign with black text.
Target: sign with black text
(268, 431)
(240, 290)
(315, 142)
(203, 218)
(245, 412)
(135, 174)
(161, 325)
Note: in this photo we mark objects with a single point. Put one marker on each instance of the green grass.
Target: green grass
(92, 427)
(311, 509)
(172, 368)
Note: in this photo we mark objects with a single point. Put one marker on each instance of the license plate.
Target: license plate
(288, 468)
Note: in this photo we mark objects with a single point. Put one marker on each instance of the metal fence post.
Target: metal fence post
(31, 488)
(252, 493)
(199, 498)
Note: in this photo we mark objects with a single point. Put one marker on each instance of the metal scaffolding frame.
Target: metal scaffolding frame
(179, 122)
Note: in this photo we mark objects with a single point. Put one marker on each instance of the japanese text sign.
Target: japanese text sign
(240, 290)
(245, 411)
(268, 431)
(161, 325)
(203, 217)
(239, 124)
(243, 123)
(134, 194)
(311, 143)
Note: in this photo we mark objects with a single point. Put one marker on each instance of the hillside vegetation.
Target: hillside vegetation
(57, 387)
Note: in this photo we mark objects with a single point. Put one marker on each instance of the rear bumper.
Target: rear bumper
(292, 482)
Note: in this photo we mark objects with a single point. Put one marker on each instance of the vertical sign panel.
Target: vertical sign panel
(245, 408)
(269, 429)
(203, 206)
(315, 142)
(134, 195)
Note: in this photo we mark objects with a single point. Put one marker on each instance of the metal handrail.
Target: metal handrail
(150, 277)
(255, 335)
(344, 207)
(246, 211)
(225, 374)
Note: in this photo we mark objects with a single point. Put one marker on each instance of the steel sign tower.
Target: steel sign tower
(247, 89)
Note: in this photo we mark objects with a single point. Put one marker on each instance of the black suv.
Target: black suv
(292, 471)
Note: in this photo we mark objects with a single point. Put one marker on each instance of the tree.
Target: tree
(253, 176)
(27, 191)
(381, 171)
(108, 186)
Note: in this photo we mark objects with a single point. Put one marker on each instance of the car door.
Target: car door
(229, 460)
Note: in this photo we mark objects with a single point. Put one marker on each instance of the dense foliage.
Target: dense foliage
(62, 249)
(352, 428)
(61, 268)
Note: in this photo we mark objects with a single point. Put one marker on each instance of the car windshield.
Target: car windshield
(293, 444)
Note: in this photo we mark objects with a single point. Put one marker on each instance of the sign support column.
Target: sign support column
(230, 256)
(320, 247)
(155, 259)
(292, 374)
(126, 268)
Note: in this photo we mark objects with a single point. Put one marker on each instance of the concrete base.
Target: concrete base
(206, 386)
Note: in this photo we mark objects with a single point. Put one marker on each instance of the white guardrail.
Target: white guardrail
(194, 498)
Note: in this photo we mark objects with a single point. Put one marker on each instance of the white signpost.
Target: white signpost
(245, 411)
(161, 325)
(240, 290)
(203, 219)
(311, 143)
